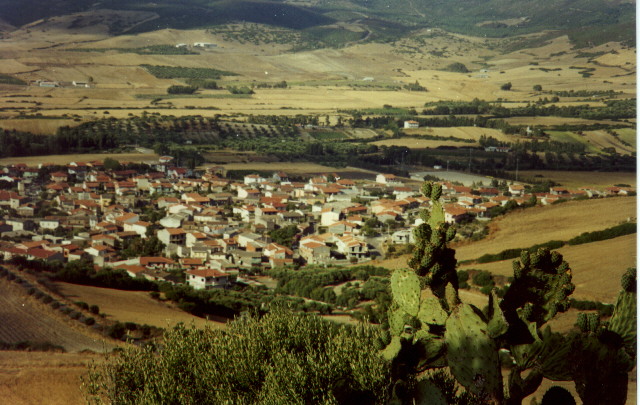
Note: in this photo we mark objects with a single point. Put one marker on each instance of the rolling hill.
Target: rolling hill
(382, 20)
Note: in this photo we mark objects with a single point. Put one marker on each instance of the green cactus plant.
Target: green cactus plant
(472, 354)
(429, 327)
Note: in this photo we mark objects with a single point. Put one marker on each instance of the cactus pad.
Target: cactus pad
(431, 311)
(391, 351)
(405, 287)
(427, 393)
(471, 354)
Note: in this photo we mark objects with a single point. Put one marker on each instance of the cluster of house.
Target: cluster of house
(213, 227)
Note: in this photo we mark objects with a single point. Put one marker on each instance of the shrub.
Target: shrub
(280, 358)
(506, 86)
(483, 279)
(116, 330)
(82, 305)
(176, 89)
(89, 321)
(94, 309)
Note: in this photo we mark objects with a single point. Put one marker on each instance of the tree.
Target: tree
(281, 358)
(112, 164)
(284, 236)
(537, 87)
(506, 86)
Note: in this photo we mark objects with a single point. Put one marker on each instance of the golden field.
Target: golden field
(133, 306)
(555, 222)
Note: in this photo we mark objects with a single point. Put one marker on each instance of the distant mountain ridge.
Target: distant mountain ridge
(599, 20)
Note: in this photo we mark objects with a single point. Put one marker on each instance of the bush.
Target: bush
(89, 321)
(176, 89)
(116, 330)
(82, 305)
(619, 230)
(457, 67)
(506, 86)
(483, 278)
(280, 358)
(94, 309)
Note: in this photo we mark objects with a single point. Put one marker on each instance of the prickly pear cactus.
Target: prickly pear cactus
(540, 289)
(405, 289)
(472, 354)
(624, 319)
(432, 259)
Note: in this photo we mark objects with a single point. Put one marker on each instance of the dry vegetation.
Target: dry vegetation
(88, 157)
(132, 306)
(596, 267)
(22, 318)
(556, 222)
(598, 180)
(36, 378)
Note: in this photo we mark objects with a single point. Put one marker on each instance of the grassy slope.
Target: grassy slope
(596, 267)
(557, 222)
(132, 306)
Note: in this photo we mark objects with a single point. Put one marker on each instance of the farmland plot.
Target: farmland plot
(22, 319)
(531, 226)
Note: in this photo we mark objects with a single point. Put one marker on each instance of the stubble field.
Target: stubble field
(133, 306)
(556, 222)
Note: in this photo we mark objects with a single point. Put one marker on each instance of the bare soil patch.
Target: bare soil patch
(133, 306)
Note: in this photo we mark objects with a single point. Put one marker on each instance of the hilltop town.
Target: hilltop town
(165, 223)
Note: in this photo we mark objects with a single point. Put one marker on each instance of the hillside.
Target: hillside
(22, 318)
(522, 229)
(381, 20)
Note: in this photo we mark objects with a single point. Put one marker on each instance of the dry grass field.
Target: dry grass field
(596, 267)
(470, 133)
(540, 224)
(132, 306)
(23, 318)
(599, 180)
(37, 126)
(295, 168)
(37, 378)
(88, 157)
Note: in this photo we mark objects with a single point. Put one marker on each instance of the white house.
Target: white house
(411, 124)
(206, 279)
(388, 179)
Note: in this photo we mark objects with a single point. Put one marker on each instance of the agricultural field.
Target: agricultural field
(596, 267)
(36, 126)
(87, 157)
(132, 306)
(22, 318)
(576, 179)
(521, 229)
(33, 378)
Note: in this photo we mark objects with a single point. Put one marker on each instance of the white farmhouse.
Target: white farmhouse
(207, 279)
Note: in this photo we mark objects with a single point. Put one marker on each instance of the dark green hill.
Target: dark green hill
(586, 21)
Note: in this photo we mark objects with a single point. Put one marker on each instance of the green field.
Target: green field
(572, 137)
(328, 135)
(628, 135)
